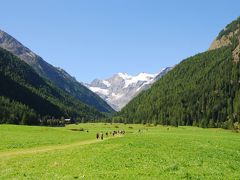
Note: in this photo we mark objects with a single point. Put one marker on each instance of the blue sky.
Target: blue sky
(98, 38)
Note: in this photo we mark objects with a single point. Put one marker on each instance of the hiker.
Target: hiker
(97, 135)
(106, 134)
(101, 136)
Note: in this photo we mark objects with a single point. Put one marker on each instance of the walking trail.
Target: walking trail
(9, 154)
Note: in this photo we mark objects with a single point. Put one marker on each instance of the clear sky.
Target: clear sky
(98, 38)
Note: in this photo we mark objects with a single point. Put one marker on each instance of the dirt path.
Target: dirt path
(9, 154)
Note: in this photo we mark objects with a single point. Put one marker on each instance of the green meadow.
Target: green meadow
(157, 152)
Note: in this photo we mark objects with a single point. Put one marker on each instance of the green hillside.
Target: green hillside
(203, 90)
(26, 97)
(57, 76)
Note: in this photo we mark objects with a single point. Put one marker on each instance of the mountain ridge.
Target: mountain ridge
(26, 96)
(119, 89)
(57, 75)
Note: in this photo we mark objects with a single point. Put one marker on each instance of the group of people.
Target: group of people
(99, 136)
(113, 133)
(121, 132)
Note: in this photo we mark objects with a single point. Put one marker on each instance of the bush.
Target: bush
(236, 126)
(155, 123)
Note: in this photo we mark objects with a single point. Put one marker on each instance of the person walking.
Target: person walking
(101, 136)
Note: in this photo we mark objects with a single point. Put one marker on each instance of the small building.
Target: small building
(67, 121)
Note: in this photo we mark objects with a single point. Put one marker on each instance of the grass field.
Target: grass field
(154, 153)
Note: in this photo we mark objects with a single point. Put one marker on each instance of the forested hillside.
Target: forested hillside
(203, 90)
(57, 76)
(26, 97)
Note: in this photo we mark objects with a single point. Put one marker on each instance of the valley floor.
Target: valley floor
(153, 153)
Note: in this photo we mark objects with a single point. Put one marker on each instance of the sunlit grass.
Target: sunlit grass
(154, 153)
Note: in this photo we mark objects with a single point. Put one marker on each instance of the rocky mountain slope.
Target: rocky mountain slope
(58, 76)
(119, 89)
(229, 36)
(202, 90)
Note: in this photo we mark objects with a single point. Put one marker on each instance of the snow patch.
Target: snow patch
(106, 83)
(99, 90)
(143, 77)
(124, 76)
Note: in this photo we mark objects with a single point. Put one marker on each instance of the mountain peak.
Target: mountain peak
(124, 75)
(227, 35)
(119, 89)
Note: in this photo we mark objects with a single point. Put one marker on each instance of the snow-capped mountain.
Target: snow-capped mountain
(122, 87)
